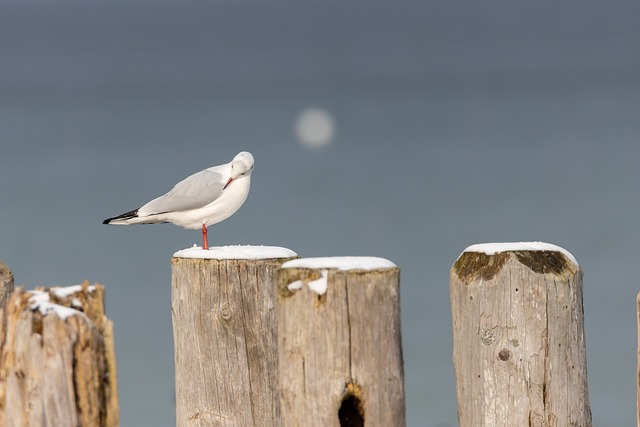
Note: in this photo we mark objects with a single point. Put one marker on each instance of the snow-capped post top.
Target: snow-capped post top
(341, 263)
(236, 252)
(316, 278)
(487, 259)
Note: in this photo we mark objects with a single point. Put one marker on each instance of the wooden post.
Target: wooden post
(224, 326)
(6, 288)
(57, 366)
(339, 343)
(518, 334)
(6, 284)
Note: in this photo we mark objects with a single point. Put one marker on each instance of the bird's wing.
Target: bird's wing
(193, 192)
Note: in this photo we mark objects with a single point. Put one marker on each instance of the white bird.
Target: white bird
(205, 198)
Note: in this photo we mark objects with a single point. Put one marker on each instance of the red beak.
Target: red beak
(227, 184)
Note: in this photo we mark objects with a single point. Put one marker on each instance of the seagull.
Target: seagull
(202, 199)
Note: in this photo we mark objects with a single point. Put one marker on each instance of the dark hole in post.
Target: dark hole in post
(504, 355)
(350, 412)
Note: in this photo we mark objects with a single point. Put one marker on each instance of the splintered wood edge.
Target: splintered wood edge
(93, 318)
(471, 266)
(6, 275)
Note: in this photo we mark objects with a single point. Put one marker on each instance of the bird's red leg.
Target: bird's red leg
(205, 242)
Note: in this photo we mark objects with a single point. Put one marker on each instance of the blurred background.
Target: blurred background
(402, 129)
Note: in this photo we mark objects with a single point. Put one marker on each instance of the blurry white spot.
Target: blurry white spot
(314, 127)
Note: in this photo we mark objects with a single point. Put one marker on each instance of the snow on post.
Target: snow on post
(339, 342)
(224, 327)
(518, 334)
(57, 366)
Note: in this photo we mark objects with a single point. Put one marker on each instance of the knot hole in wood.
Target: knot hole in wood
(225, 312)
(351, 412)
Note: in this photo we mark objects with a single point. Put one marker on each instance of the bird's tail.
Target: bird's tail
(122, 218)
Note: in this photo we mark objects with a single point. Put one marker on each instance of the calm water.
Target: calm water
(454, 127)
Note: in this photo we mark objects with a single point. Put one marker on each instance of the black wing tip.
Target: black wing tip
(126, 215)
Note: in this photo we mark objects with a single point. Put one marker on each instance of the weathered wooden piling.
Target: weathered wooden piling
(339, 343)
(6, 288)
(6, 284)
(57, 365)
(224, 323)
(518, 326)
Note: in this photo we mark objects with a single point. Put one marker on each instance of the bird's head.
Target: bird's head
(241, 166)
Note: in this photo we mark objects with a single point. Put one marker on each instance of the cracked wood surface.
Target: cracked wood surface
(224, 329)
(344, 343)
(519, 349)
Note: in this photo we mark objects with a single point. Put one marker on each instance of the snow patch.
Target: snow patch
(493, 248)
(41, 301)
(341, 263)
(319, 286)
(236, 252)
(294, 286)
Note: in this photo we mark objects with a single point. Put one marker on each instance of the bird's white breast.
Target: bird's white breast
(220, 209)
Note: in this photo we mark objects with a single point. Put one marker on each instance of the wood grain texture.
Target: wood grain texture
(519, 348)
(6, 288)
(342, 349)
(58, 372)
(6, 283)
(224, 323)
